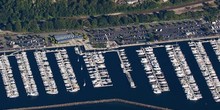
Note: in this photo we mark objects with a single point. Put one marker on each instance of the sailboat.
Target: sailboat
(84, 84)
(78, 59)
(81, 67)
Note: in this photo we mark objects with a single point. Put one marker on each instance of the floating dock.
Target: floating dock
(46, 73)
(126, 66)
(7, 77)
(95, 64)
(153, 70)
(183, 72)
(206, 69)
(216, 47)
(67, 71)
(26, 74)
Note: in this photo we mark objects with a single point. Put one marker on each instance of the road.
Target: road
(147, 11)
(173, 7)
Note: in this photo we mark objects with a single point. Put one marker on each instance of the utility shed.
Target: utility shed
(61, 38)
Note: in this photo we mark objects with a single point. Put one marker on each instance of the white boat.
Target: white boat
(84, 84)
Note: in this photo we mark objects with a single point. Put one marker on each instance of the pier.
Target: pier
(147, 106)
(216, 46)
(51, 51)
(153, 70)
(46, 73)
(26, 74)
(125, 65)
(67, 71)
(7, 77)
(183, 72)
(206, 68)
(95, 63)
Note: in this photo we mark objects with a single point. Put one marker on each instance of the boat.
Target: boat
(84, 84)
(96, 68)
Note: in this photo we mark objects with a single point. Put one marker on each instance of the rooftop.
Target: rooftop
(64, 37)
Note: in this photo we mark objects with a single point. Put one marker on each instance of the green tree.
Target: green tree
(17, 26)
(33, 26)
(77, 24)
(86, 23)
(123, 20)
(113, 20)
(50, 25)
(8, 27)
(44, 26)
(102, 21)
(59, 24)
(93, 22)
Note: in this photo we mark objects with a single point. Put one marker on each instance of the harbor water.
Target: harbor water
(143, 93)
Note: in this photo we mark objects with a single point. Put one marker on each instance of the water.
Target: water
(175, 99)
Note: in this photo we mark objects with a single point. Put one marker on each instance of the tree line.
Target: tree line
(24, 15)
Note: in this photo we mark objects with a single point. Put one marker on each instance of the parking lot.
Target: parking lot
(156, 32)
(124, 35)
(26, 41)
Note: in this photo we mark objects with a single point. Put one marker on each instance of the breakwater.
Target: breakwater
(94, 102)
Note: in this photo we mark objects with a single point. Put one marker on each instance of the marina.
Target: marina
(183, 72)
(126, 66)
(67, 71)
(73, 66)
(46, 73)
(95, 63)
(206, 69)
(153, 70)
(7, 76)
(26, 74)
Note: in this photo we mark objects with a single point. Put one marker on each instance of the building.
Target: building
(165, 0)
(61, 38)
(53, 1)
(130, 2)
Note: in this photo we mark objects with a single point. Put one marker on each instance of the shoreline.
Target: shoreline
(172, 41)
(94, 102)
(120, 46)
